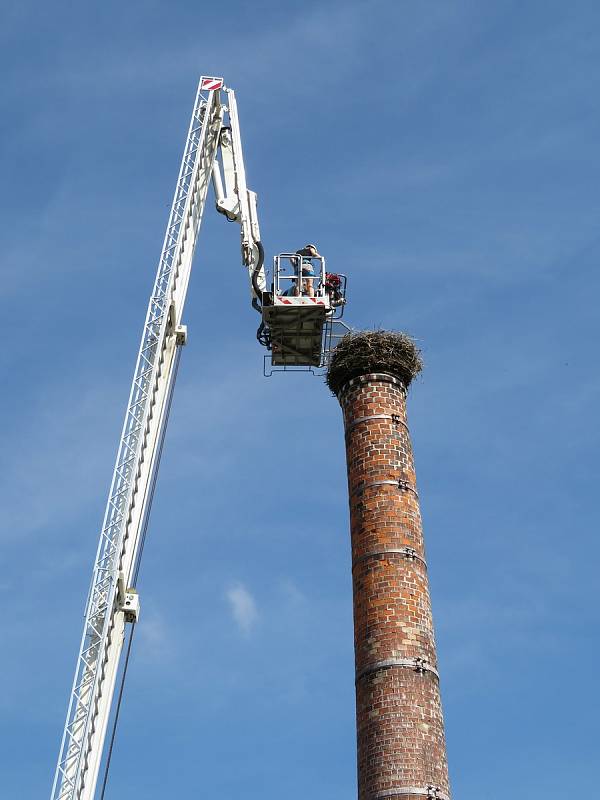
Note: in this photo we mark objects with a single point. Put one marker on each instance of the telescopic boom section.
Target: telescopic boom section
(235, 200)
(111, 602)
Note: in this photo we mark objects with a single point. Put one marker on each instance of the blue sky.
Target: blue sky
(445, 156)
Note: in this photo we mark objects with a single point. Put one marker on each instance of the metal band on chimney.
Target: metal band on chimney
(395, 419)
(431, 792)
(399, 483)
(409, 552)
(372, 377)
(417, 664)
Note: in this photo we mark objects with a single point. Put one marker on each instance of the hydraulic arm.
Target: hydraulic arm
(235, 200)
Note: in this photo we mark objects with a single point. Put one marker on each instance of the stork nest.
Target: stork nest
(364, 352)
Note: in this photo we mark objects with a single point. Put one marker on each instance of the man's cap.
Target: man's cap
(309, 251)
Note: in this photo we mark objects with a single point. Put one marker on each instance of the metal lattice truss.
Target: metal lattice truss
(128, 500)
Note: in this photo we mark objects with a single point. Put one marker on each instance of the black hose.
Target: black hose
(256, 270)
(262, 334)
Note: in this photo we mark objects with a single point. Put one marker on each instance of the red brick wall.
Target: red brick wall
(400, 730)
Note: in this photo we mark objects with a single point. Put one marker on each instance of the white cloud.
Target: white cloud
(296, 599)
(243, 608)
(153, 638)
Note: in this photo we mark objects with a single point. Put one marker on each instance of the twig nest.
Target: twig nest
(365, 352)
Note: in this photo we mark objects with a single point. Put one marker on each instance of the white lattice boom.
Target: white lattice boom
(128, 501)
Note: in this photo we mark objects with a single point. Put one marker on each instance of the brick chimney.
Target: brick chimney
(400, 729)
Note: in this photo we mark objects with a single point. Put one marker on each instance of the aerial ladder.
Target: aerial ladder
(299, 310)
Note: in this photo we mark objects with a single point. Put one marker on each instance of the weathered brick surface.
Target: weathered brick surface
(400, 730)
